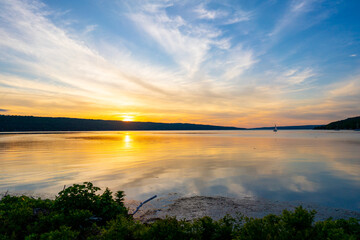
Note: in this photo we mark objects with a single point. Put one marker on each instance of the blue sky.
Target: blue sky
(239, 63)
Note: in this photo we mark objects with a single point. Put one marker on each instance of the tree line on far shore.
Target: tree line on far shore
(9, 123)
(349, 124)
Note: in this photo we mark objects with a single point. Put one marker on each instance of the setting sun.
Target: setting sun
(127, 118)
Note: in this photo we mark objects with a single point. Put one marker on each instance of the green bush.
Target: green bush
(337, 229)
(18, 215)
(297, 224)
(123, 228)
(79, 212)
(170, 229)
(204, 228)
(64, 233)
(268, 227)
(84, 197)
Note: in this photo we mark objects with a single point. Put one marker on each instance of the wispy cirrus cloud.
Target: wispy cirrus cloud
(186, 50)
(204, 13)
(332, 102)
(188, 45)
(191, 43)
(297, 76)
(239, 16)
(346, 89)
(294, 12)
(223, 16)
(236, 62)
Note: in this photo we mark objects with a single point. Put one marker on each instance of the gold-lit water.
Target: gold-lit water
(289, 165)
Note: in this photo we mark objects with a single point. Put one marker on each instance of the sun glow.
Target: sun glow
(127, 118)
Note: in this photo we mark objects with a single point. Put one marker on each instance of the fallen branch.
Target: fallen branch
(137, 209)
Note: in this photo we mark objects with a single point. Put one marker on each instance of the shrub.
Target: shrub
(18, 215)
(80, 213)
(204, 228)
(123, 228)
(337, 229)
(268, 227)
(169, 229)
(64, 233)
(298, 224)
(84, 197)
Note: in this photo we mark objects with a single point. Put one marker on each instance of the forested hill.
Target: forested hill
(301, 127)
(30, 123)
(350, 123)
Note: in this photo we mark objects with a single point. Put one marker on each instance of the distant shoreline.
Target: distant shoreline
(29, 123)
(9, 123)
(94, 131)
(14, 123)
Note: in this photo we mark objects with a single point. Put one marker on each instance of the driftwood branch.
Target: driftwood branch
(137, 209)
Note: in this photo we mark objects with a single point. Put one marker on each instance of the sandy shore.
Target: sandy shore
(181, 207)
(216, 207)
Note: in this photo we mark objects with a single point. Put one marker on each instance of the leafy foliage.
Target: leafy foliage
(79, 212)
(84, 197)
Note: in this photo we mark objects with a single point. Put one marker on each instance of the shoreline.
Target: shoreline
(216, 207)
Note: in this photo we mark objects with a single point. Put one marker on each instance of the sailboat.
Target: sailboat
(275, 128)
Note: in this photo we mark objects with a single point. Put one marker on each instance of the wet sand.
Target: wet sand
(216, 207)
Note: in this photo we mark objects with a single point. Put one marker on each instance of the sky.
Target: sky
(231, 63)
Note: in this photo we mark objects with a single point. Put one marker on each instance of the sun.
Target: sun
(127, 118)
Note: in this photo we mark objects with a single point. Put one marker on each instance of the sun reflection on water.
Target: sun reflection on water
(127, 140)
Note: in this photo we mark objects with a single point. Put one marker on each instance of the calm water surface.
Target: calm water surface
(314, 166)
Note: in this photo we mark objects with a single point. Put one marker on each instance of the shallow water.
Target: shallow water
(311, 165)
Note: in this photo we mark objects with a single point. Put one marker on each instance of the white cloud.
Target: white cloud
(90, 28)
(293, 77)
(239, 16)
(291, 16)
(203, 13)
(191, 43)
(302, 6)
(302, 184)
(346, 88)
(186, 50)
(223, 16)
(299, 76)
(186, 43)
(237, 62)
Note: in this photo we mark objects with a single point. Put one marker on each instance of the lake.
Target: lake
(311, 165)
